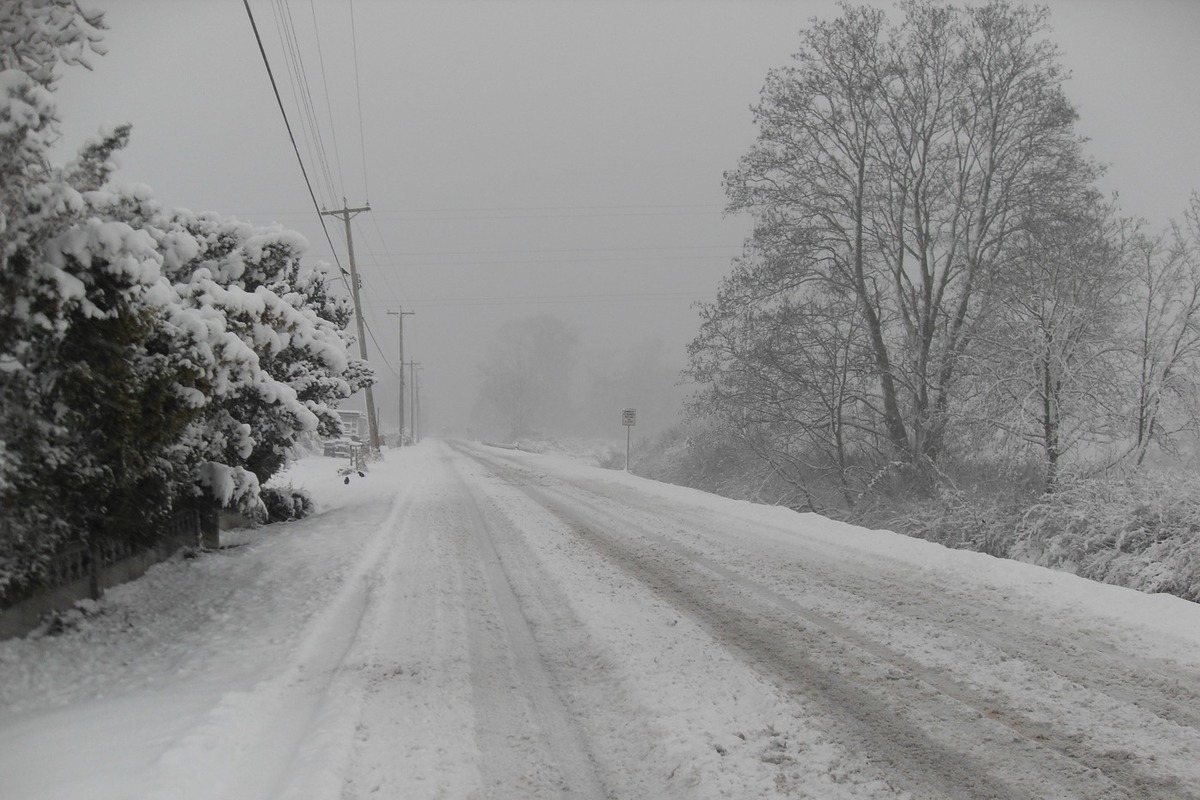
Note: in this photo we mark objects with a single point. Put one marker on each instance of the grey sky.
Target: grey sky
(543, 157)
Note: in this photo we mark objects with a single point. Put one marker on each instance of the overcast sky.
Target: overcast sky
(540, 157)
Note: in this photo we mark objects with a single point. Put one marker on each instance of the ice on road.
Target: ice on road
(467, 622)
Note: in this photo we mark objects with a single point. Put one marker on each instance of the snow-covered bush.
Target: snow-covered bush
(964, 521)
(286, 503)
(1143, 532)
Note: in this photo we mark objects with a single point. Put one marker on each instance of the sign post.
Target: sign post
(628, 419)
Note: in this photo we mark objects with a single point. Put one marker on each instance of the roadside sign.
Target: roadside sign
(628, 419)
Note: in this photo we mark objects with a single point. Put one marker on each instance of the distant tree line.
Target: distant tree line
(538, 381)
(150, 359)
(935, 290)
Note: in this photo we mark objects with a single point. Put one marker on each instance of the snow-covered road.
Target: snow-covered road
(472, 622)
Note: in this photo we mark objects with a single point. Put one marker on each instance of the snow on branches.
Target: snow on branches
(149, 358)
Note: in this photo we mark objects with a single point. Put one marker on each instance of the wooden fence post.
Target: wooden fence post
(210, 526)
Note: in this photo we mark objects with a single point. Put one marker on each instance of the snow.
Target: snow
(186, 656)
(457, 621)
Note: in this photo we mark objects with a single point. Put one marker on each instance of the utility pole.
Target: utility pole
(345, 214)
(400, 315)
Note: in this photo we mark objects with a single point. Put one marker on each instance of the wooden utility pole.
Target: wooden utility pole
(345, 214)
(400, 315)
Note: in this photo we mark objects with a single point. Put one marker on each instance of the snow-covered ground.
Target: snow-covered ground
(475, 622)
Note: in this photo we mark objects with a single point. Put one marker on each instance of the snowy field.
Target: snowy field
(470, 622)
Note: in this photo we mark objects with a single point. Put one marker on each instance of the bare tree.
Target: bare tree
(1053, 350)
(1165, 340)
(811, 178)
(788, 372)
(894, 171)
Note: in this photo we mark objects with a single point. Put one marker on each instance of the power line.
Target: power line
(358, 93)
(563, 250)
(328, 106)
(387, 363)
(307, 107)
(563, 213)
(289, 57)
(393, 290)
(382, 241)
(505, 215)
(446, 302)
(288, 125)
(566, 208)
(553, 263)
(730, 251)
(648, 210)
(284, 48)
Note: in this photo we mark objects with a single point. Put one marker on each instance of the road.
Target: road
(513, 626)
(902, 686)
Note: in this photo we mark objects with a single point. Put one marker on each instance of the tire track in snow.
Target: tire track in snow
(291, 735)
(816, 655)
(1122, 680)
(767, 642)
(1173, 695)
(547, 756)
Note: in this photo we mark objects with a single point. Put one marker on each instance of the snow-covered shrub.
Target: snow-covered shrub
(955, 519)
(611, 458)
(284, 503)
(1142, 532)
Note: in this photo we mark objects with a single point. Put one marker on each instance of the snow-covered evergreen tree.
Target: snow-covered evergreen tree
(148, 358)
(284, 314)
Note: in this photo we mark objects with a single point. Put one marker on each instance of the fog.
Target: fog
(538, 161)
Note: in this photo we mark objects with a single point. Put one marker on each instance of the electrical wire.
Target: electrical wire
(288, 125)
(328, 106)
(450, 302)
(358, 93)
(554, 262)
(285, 48)
(308, 107)
(562, 250)
(382, 357)
(413, 216)
(649, 210)
(388, 274)
(617, 207)
(288, 57)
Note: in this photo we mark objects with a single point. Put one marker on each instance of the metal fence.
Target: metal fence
(81, 561)
(81, 571)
